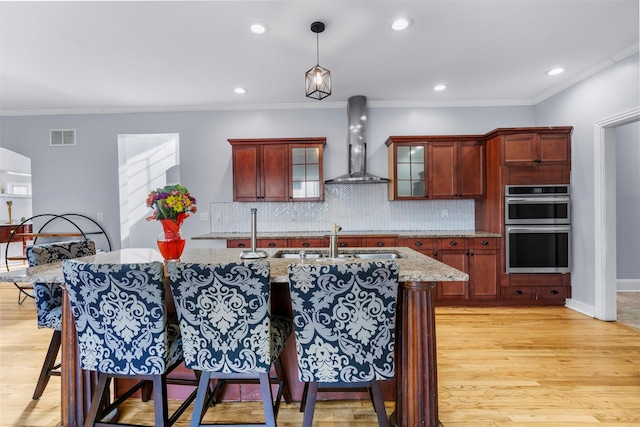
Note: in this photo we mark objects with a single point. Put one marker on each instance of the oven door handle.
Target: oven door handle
(538, 199)
(540, 228)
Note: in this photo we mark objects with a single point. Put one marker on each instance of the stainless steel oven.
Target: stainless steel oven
(538, 248)
(537, 229)
(537, 204)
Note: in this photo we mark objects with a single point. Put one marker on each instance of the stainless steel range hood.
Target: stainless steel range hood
(357, 138)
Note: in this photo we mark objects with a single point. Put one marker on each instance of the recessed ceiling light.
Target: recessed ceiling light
(259, 28)
(555, 71)
(440, 87)
(400, 24)
(240, 90)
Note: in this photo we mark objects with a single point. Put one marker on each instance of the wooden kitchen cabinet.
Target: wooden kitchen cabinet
(534, 149)
(436, 167)
(260, 243)
(378, 241)
(484, 267)
(426, 246)
(277, 169)
(454, 253)
(308, 243)
(456, 169)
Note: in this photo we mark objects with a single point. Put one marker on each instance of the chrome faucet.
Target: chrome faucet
(333, 240)
(253, 253)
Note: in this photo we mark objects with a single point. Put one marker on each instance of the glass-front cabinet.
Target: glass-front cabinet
(277, 169)
(411, 170)
(306, 176)
(407, 170)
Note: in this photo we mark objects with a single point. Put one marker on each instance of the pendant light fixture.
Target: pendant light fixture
(317, 80)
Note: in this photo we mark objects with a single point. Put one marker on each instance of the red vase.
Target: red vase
(170, 244)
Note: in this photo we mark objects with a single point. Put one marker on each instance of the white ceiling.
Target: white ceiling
(77, 57)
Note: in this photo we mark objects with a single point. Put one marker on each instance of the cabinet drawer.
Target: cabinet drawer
(453, 244)
(349, 242)
(421, 245)
(272, 243)
(239, 243)
(521, 292)
(485, 243)
(552, 292)
(378, 242)
(308, 243)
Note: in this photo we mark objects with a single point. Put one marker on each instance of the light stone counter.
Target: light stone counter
(320, 234)
(414, 266)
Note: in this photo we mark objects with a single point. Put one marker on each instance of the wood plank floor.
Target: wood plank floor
(546, 366)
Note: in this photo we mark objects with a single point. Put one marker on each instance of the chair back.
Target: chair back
(344, 320)
(224, 313)
(120, 317)
(48, 296)
(48, 253)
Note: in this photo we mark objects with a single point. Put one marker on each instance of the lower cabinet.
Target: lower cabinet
(546, 289)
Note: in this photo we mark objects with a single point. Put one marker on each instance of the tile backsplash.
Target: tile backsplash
(355, 207)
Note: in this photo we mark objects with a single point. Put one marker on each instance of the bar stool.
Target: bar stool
(123, 332)
(344, 322)
(48, 297)
(227, 330)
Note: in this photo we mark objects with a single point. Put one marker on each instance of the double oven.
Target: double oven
(537, 228)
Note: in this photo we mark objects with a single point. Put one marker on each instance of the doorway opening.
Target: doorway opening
(146, 162)
(605, 212)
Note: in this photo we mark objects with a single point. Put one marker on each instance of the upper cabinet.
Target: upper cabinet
(277, 169)
(435, 167)
(533, 149)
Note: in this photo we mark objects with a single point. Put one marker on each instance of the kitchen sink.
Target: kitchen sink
(344, 255)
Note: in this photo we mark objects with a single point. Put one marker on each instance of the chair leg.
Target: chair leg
(160, 406)
(267, 400)
(283, 382)
(145, 391)
(303, 401)
(310, 404)
(201, 399)
(378, 403)
(96, 400)
(48, 365)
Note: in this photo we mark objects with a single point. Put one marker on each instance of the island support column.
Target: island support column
(416, 373)
(72, 377)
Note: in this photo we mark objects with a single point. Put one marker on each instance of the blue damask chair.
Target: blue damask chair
(228, 331)
(344, 322)
(123, 332)
(48, 297)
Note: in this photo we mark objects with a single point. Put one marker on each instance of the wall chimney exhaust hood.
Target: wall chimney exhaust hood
(357, 138)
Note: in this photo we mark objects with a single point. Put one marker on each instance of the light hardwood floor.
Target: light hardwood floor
(525, 366)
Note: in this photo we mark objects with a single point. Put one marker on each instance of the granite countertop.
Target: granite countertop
(319, 234)
(414, 266)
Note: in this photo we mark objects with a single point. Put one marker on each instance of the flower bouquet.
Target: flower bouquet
(171, 205)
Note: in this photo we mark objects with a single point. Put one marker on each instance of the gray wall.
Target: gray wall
(628, 201)
(613, 91)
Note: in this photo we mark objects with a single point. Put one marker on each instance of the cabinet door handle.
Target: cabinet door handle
(554, 292)
(418, 243)
(380, 244)
(342, 244)
(241, 245)
(306, 244)
(271, 245)
(519, 292)
(484, 243)
(453, 243)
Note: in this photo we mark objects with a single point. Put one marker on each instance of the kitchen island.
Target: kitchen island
(416, 391)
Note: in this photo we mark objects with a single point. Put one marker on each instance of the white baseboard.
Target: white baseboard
(580, 307)
(628, 285)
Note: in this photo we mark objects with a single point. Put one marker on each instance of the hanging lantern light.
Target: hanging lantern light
(318, 79)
